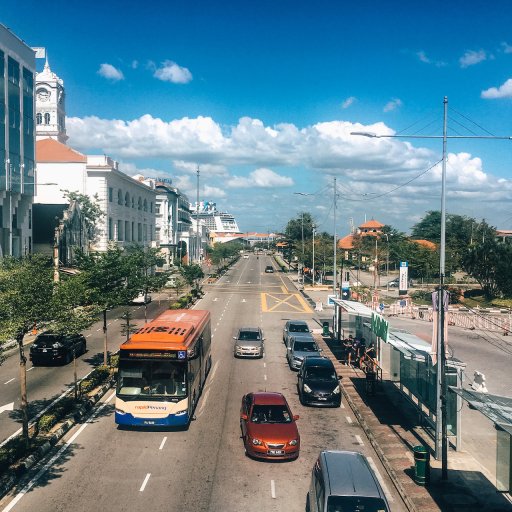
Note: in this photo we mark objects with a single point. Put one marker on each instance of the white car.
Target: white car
(142, 299)
(246, 256)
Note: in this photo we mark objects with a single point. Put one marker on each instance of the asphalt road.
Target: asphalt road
(46, 383)
(204, 468)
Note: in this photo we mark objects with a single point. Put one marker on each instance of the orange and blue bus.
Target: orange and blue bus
(163, 368)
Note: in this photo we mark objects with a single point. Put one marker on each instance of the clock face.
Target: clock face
(43, 95)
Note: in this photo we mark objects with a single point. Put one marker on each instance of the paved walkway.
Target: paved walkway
(392, 426)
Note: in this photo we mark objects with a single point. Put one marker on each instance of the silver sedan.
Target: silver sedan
(249, 342)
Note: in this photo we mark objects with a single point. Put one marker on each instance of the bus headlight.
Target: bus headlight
(180, 413)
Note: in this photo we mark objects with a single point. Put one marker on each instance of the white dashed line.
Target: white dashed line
(349, 419)
(88, 336)
(264, 365)
(264, 377)
(31, 368)
(381, 480)
(273, 489)
(10, 380)
(342, 406)
(359, 440)
(143, 486)
(162, 443)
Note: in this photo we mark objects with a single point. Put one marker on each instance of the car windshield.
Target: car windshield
(270, 414)
(298, 328)
(249, 335)
(305, 346)
(320, 373)
(155, 378)
(355, 504)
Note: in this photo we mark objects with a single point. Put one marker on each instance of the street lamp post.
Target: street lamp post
(313, 263)
(441, 440)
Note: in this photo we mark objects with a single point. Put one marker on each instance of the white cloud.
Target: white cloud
(187, 185)
(204, 169)
(422, 56)
(471, 57)
(135, 64)
(349, 101)
(392, 105)
(506, 48)
(260, 178)
(171, 72)
(110, 72)
(503, 91)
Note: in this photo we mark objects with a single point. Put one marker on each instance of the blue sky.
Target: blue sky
(263, 96)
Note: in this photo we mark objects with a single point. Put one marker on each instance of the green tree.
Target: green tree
(90, 211)
(29, 297)
(192, 274)
(106, 283)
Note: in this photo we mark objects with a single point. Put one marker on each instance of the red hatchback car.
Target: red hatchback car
(268, 427)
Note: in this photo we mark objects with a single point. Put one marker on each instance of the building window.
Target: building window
(151, 207)
(47, 118)
(145, 232)
(133, 231)
(120, 230)
(139, 232)
(119, 197)
(140, 204)
(39, 118)
(110, 194)
(145, 205)
(133, 202)
(127, 199)
(126, 230)
(110, 229)
(157, 209)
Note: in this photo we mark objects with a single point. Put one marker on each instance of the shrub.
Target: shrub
(46, 422)
(114, 361)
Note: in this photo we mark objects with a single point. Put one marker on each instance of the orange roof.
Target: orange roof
(346, 242)
(426, 243)
(371, 224)
(51, 150)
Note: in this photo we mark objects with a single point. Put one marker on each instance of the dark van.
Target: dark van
(343, 480)
(57, 348)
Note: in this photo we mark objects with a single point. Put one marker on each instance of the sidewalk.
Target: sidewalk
(392, 426)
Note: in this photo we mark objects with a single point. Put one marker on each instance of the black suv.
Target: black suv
(269, 269)
(56, 348)
(318, 383)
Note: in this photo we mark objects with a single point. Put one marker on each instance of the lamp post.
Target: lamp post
(313, 265)
(302, 231)
(441, 439)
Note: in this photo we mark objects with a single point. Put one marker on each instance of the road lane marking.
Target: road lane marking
(273, 489)
(162, 443)
(203, 403)
(264, 377)
(215, 366)
(349, 419)
(7, 407)
(143, 486)
(31, 368)
(264, 365)
(88, 336)
(381, 480)
(359, 440)
(10, 380)
(47, 466)
(342, 406)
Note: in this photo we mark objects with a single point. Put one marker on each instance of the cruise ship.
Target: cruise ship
(216, 221)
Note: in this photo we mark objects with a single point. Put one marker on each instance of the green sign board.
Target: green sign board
(380, 327)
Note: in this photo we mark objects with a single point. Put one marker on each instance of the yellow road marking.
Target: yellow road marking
(286, 300)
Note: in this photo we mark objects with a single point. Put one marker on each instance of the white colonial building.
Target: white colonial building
(128, 205)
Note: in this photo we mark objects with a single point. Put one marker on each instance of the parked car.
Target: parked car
(268, 427)
(395, 283)
(249, 342)
(269, 269)
(299, 348)
(318, 383)
(343, 480)
(246, 256)
(56, 348)
(296, 328)
(142, 298)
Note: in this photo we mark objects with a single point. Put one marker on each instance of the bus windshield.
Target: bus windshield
(152, 378)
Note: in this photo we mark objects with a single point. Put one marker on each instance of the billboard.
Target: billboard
(404, 278)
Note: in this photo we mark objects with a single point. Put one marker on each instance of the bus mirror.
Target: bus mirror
(244, 417)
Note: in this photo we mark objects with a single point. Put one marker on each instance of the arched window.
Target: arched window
(47, 118)
(140, 204)
(145, 205)
(119, 197)
(39, 118)
(133, 202)
(127, 199)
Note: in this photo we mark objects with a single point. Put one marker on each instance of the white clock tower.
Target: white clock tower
(50, 106)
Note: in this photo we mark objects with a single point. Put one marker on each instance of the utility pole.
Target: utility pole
(198, 236)
(313, 269)
(334, 276)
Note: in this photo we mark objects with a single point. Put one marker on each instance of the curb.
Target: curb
(9, 480)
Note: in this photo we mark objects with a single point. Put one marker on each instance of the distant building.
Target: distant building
(17, 144)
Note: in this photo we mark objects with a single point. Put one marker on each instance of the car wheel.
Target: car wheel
(84, 348)
(307, 503)
(69, 358)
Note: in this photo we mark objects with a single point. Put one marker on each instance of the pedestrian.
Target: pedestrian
(346, 346)
(349, 343)
(354, 352)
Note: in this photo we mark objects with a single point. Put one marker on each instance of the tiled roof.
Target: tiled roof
(371, 224)
(426, 243)
(51, 150)
(346, 242)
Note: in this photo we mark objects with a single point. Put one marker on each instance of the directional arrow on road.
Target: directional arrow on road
(215, 299)
(7, 407)
(243, 300)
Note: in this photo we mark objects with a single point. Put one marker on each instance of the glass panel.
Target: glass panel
(355, 504)
(503, 460)
(270, 414)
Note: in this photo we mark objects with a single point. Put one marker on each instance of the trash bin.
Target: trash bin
(421, 465)
(325, 328)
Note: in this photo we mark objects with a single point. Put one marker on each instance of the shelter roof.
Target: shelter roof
(372, 223)
(346, 242)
